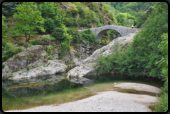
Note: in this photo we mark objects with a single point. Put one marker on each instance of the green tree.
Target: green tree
(4, 32)
(121, 18)
(52, 14)
(73, 9)
(8, 8)
(28, 19)
(162, 104)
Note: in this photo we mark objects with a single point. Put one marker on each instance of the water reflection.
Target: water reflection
(57, 82)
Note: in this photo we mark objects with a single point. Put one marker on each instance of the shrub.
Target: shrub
(50, 57)
(73, 9)
(58, 33)
(49, 24)
(9, 51)
(77, 54)
(82, 22)
(74, 33)
(109, 23)
(28, 67)
(3, 65)
(121, 18)
(93, 6)
(88, 36)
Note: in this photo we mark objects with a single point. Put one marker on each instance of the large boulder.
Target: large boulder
(86, 67)
(32, 62)
(52, 67)
(32, 56)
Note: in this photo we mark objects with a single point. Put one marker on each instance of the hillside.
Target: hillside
(135, 13)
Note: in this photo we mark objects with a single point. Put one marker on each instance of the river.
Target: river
(57, 89)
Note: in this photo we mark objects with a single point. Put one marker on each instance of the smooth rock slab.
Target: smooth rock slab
(54, 67)
(138, 86)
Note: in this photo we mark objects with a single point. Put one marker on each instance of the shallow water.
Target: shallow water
(57, 89)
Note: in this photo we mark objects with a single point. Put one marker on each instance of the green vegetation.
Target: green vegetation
(10, 51)
(141, 56)
(27, 16)
(28, 67)
(52, 14)
(87, 35)
(162, 105)
(147, 55)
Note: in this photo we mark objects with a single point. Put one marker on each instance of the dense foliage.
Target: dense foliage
(8, 8)
(87, 35)
(28, 18)
(143, 52)
(162, 105)
(52, 15)
(137, 12)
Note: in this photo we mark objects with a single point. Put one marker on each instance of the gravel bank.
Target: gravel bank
(109, 101)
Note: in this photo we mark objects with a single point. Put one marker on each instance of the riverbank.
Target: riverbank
(108, 101)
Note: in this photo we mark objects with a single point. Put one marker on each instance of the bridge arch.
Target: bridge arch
(99, 31)
(100, 34)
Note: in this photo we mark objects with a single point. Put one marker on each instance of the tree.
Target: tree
(121, 18)
(53, 15)
(28, 19)
(8, 8)
(4, 31)
(72, 8)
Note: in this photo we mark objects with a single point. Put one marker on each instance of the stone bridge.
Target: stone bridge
(99, 31)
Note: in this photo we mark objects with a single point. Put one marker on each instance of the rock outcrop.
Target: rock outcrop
(32, 62)
(85, 67)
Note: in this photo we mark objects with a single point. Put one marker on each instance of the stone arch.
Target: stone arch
(100, 34)
(99, 31)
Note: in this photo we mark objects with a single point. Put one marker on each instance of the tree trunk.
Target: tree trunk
(26, 37)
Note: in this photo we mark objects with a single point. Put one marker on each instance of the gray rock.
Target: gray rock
(86, 66)
(54, 66)
(32, 56)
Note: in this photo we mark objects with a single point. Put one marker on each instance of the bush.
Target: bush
(3, 65)
(77, 54)
(93, 6)
(121, 18)
(50, 57)
(74, 33)
(9, 51)
(73, 9)
(88, 36)
(28, 67)
(58, 33)
(69, 22)
(109, 23)
(82, 22)
(49, 24)
(41, 41)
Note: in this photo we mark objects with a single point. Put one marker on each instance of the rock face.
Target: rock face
(85, 67)
(34, 55)
(87, 50)
(36, 61)
(52, 67)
